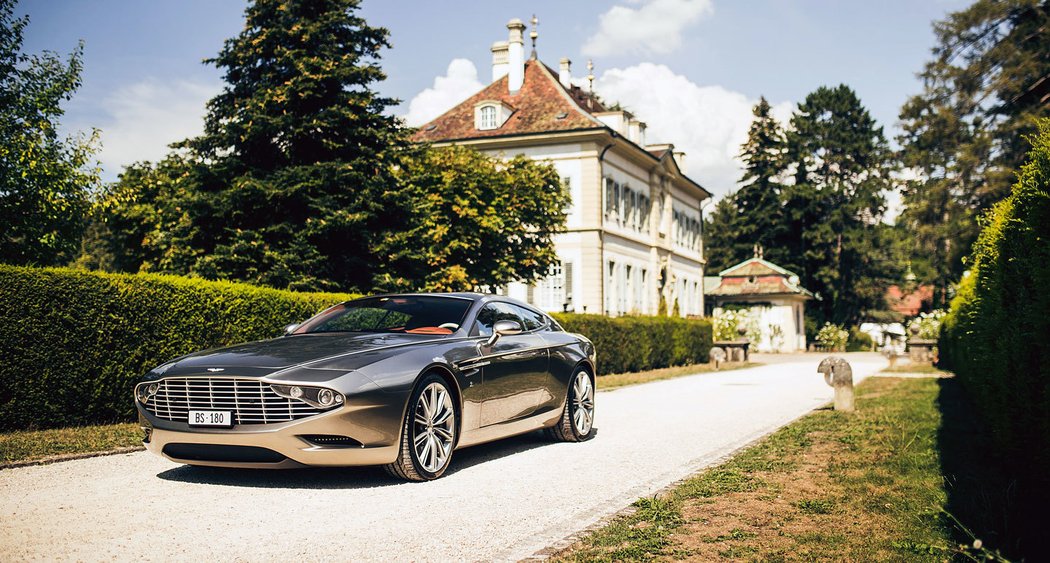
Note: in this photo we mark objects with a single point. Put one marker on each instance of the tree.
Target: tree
(137, 217)
(468, 221)
(834, 207)
(719, 235)
(752, 215)
(285, 186)
(983, 93)
(46, 182)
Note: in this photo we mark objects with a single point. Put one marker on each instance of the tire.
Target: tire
(428, 437)
(577, 418)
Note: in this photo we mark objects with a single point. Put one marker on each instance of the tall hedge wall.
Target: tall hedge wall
(72, 343)
(626, 344)
(996, 336)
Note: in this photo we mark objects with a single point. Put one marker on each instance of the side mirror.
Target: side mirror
(503, 328)
(291, 328)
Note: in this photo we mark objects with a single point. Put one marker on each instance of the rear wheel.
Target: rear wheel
(577, 418)
(428, 433)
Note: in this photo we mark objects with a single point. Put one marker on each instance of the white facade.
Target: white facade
(632, 231)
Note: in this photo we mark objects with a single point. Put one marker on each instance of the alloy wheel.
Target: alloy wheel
(434, 425)
(583, 403)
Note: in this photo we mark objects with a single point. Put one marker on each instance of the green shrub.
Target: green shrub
(74, 342)
(727, 321)
(927, 326)
(859, 341)
(641, 343)
(996, 336)
(832, 337)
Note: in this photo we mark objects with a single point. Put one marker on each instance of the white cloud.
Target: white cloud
(459, 83)
(655, 27)
(708, 123)
(145, 117)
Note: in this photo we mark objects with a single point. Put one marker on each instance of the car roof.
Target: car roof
(473, 296)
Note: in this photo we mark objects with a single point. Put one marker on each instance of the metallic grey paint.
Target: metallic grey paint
(516, 385)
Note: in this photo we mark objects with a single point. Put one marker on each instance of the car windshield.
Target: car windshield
(411, 314)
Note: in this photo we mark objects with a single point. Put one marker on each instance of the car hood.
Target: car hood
(341, 351)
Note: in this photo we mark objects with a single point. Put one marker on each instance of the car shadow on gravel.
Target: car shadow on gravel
(347, 477)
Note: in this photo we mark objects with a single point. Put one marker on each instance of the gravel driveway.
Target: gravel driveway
(501, 501)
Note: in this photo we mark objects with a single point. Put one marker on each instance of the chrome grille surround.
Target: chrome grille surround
(250, 401)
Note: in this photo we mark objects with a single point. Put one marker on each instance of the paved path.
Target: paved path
(499, 501)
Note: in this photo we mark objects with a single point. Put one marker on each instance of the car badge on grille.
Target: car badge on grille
(213, 370)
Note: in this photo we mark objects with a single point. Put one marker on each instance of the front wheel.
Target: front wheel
(577, 418)
(428, 433)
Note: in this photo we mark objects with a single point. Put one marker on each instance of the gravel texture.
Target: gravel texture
(500, 501)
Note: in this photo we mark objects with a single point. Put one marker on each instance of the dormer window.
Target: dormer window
(491, 114)
(487, 117)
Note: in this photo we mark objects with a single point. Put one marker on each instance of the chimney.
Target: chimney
(679, 158)
(516, 54)
(499, 60)
(564, 72)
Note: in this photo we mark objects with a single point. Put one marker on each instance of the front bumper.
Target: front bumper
(376, 429)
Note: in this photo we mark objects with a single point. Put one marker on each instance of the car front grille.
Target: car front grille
(249, 400)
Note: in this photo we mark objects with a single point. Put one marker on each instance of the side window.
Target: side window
(533, 320)
(496, 312)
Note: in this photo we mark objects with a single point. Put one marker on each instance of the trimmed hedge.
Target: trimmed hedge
(996, 336)
(74, 342)
(627, 344)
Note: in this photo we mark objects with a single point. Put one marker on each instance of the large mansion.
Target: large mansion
(633, 232)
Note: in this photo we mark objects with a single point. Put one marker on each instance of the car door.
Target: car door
(514, 379)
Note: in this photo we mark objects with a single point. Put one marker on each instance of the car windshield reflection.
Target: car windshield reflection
(434, 315)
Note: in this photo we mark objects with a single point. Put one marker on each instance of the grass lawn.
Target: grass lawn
(37, 444)
(905, 366)
(615, 380)
(833, 486)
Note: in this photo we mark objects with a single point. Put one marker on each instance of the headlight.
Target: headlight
(326, 397)
(145, 391)
(319, 397)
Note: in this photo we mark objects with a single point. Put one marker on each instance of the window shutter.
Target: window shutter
(567, 269)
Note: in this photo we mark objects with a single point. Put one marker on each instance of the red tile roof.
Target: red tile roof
(909, 304)
(756, 276)
(541, 105)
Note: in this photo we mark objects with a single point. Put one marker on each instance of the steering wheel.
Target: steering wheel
(450, 326)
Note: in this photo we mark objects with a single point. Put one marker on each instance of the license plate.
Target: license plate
(211, 418)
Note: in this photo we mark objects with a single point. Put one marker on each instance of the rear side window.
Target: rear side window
(533, 320)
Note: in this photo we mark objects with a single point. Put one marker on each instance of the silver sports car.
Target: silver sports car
(395, 380)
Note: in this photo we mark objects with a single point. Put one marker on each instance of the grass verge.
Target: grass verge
(30, 445)
(616, 380)
(908, 367)
(831, 486)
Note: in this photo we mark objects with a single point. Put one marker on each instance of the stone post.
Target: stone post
(838, 374)
(718, 356)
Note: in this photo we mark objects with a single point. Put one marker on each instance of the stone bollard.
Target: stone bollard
(890, 354)
(839, 375)
(718, 356)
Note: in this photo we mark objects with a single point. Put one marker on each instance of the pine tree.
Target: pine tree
(834, 208)
(720, 236)
(295, 156)
(751, 215)
(963, 135)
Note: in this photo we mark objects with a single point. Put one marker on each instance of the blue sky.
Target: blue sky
(690, 68)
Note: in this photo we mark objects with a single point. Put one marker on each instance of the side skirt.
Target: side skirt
(510, 428)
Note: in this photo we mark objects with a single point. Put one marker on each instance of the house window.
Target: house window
(487, 118)
(550, 291)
